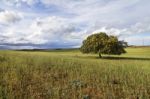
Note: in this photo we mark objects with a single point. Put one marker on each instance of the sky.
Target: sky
(28, 24)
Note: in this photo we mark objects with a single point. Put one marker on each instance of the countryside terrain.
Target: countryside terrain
(69, 74)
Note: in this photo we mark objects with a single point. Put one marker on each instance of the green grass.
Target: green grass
(68, 74)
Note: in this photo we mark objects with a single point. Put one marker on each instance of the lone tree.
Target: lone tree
(103, 44)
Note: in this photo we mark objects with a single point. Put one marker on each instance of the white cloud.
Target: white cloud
(8, 17)
(70, 21)
(19, 2)
(50, 29)
(30, 2)
(45, 30)
(137, 28)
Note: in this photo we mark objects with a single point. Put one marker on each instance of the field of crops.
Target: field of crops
(68, 74)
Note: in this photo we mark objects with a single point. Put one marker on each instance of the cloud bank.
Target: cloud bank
(65, 23)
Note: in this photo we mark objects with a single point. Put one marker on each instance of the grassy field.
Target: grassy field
(68, 74)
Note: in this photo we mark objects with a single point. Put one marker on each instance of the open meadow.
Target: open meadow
(68, 74)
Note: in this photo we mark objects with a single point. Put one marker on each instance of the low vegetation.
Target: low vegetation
(69, 74)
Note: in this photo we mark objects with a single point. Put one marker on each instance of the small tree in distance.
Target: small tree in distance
(103, 44)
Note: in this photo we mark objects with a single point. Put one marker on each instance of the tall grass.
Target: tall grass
(72, 75)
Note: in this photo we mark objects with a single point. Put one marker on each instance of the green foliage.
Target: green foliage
(103, 44)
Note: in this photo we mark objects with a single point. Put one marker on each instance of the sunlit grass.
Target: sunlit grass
(72, 75)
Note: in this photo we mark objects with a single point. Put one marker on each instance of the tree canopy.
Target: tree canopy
(103, 44)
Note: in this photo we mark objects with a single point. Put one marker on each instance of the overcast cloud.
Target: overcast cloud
(65, 23)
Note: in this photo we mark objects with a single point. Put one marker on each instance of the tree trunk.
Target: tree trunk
(100, 56)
